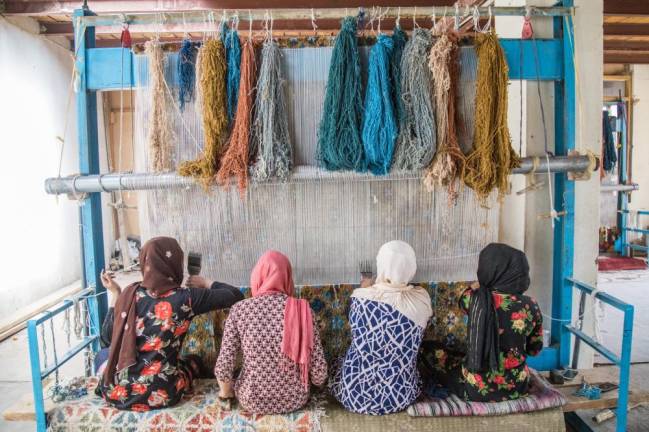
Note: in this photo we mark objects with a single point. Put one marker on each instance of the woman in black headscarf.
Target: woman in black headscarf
(504, 327)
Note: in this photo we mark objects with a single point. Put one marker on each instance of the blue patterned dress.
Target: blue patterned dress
(378, 375)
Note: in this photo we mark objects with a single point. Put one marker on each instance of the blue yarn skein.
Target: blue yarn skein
(186, 72)
(379, 123)
(233, 57)
(339, 136)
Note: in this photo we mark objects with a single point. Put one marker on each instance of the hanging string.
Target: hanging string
(214, 114)
(416, 143)
(236, 158)
(399, 39)
(186, 72)
(233, 53)
(492, 159)
(271, 139)
(449, 160)
(379, 123)
(339, 134)
(160, 138)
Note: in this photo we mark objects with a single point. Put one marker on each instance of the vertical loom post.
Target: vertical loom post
(37, 383)
(91, 225)
(623, 196)
(564, 194)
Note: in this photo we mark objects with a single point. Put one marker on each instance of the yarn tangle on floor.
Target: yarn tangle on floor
(213, 111)
(186, 72)
(160, 134)
(492, 159)
(449, 160)
(379, 123)
(417, 141)
(339, 135)
(235, 160)
(233, 53)
(271, 139)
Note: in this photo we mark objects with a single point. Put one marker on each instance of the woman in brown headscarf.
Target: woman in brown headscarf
(144, 370)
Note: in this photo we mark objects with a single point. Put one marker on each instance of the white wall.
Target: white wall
(640, 199)
(40, 237)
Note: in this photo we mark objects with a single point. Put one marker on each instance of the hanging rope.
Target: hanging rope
(449, 160)
(492, 159)
(235, 160)
(271, 140)
(416, 142)
(233, 52)
(215, 120)
(160, 135)
(339, 135)
(399, 38)
(186, 72)
(379, 123)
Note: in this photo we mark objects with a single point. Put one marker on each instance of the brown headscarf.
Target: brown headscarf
(161, 261)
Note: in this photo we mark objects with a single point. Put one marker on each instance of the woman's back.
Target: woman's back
(269, 382)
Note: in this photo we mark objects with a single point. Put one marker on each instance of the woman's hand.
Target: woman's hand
(198, 282)
(366, 282)
(109, 283)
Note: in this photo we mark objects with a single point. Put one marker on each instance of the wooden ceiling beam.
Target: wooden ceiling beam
(626, 29)
(626, 7)
(626, 57)
(626, 45)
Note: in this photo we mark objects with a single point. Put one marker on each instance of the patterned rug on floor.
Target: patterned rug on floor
(198, 412)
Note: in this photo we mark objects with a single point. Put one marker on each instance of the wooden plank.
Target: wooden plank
(626, 7)
(626, 29)
(608, 400)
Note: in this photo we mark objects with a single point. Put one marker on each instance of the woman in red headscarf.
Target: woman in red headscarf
(148, 324)
(282, 353)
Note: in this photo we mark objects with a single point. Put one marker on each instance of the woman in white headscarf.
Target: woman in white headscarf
(378, 374)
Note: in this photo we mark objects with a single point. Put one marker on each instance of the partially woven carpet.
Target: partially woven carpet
(541, 396)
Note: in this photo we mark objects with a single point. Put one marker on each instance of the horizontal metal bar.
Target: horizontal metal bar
(620, 188)
(594, 344)
(636, 247)
(147, 181)
(637, 230)
(601, 295)
(44, 316)
(68, 355)
(163, 18)
(640, 212)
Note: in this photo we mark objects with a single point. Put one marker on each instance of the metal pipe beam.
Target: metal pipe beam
(620, 188)
(146, 181)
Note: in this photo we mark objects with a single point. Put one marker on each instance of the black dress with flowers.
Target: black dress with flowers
(160, 377)
(520, 325)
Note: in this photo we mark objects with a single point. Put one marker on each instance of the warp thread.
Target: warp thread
(233, 53)
(235, 160)
(492, 159)
(379, 123)
(214, 114)
(416, 143)
(339, 135)
(160, 136)
(186, 72)
(399, 39)
(271, 139)
(449, 160)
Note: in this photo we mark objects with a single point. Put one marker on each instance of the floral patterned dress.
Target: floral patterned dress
(160, 377)
(521, 335)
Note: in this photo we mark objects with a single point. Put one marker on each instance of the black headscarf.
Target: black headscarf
(503, 269)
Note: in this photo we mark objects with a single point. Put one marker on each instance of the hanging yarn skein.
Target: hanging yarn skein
(339, 135)
(198, 96)
(399, 39)
(160, 135)
(492, 159)
(233, 53)
(417, 141)
(213, 111)
(271, 140)
(379, 123)
(235, 160)
(449, 160)
(186, 72)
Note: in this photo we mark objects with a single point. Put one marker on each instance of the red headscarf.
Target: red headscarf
(273, 275)
(161, 262)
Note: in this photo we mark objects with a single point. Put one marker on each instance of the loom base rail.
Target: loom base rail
(623, 245)
(147, 181)
(623, 361)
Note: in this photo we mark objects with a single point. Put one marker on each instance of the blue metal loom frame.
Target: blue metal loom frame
(99, 69)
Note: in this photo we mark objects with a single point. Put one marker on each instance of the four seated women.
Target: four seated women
(278, 340)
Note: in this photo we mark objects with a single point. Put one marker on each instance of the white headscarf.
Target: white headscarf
(396, 265)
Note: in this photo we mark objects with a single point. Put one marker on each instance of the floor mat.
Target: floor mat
(606, 264)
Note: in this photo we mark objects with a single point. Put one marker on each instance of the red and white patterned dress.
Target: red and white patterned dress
(269, 383)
